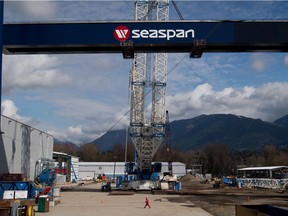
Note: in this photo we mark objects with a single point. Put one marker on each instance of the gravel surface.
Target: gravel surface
(222, 202)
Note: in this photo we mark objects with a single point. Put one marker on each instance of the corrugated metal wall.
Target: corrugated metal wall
(93, 169)
(178, 168)
(21, 146)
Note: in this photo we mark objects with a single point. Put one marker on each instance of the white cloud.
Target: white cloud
(68, 10)
(9, 109)
(74, 134)
(75, 130)
(259, 64)
(77, 134)
(84, 109)
(267, 102)
(92, 119)
(259, 61)
(29, 72)
(32, 9)
(39, 10)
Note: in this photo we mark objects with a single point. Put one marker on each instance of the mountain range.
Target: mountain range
(237, 132)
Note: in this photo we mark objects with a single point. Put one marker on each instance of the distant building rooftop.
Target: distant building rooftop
(64, 154)
(263, 168)
(271, 172)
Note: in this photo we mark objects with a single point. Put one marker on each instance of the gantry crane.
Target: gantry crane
(148, 77)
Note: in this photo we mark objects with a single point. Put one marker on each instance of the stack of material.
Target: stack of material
(188, 178)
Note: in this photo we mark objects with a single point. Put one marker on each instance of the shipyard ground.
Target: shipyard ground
(196, 199)
(88, 200)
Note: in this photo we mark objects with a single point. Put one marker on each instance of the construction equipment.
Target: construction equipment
(106, 187)
(148, 75)
(16, 186)
(16, 195)
(44, 172)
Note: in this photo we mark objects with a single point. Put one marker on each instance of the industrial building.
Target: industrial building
(90, 170)
(275, 177)
(22, 146)
(67, 165)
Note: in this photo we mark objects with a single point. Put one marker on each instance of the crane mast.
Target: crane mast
(148, 77)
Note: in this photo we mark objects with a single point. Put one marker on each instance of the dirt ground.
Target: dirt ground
(221, 202)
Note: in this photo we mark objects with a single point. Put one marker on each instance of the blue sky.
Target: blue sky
(80, 97)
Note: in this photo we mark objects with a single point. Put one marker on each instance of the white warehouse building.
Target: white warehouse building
(90, 170)
(21, 146)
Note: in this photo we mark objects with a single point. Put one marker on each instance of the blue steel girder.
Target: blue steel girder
(147, 36)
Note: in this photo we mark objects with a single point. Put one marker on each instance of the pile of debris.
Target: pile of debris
(197, 182)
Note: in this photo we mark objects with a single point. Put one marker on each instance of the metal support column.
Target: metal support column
(1, 50)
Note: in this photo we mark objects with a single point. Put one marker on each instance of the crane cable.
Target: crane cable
(175, 66)
(128, 111)
(197, 75)
(177, 10)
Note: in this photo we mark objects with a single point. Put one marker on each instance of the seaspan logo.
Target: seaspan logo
(122, 33)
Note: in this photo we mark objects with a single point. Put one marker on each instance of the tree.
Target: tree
(270, 154)
(255, 159)
(215, 159)
(89, 153)
(119, 152)
(107, 156)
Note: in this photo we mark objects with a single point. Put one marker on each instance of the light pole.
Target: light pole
(115, 157)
